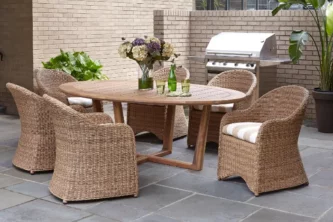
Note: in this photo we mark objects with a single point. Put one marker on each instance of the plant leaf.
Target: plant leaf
(329, 19)
(298, 40)
(286, 4)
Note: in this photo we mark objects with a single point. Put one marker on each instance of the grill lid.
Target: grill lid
(237, 44)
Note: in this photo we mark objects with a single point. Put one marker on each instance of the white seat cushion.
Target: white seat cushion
(247, 131)
(85, 102)
(223, 108)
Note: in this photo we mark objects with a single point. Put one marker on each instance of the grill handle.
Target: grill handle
(231, 53)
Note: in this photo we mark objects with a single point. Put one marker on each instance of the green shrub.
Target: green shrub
(77, 64)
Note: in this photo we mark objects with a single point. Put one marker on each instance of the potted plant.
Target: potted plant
(145, 52)
(77, 64)
(323, 95)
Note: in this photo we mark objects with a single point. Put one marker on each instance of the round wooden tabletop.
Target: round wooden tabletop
(126, 91)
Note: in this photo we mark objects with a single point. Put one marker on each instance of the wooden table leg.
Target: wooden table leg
(118, 112)
(200, 148)
(168, 130)
(97, 106)
(202, 139)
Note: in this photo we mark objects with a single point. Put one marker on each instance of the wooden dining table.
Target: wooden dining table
(126, 91)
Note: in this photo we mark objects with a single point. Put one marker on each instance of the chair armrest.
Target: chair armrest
(98, 118)
(78, 108)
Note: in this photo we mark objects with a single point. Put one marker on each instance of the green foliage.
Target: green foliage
(298, 39)
(77, 64)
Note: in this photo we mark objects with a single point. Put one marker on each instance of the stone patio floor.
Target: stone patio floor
(170, 194)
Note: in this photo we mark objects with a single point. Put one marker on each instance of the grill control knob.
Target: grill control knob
(236, 64)
(252, 65)
(213, 63)
(247, 64)
(225, 63)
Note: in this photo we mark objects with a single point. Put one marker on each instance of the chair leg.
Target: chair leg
(32, 172)
(64, 201)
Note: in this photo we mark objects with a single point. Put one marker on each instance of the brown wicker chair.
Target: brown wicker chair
(95, 158)
(271, 161)
(240, 80)
(36, 147)
(153, 118)
(48, 82)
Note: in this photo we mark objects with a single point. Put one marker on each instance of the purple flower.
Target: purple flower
(138, 41)
(153, 47)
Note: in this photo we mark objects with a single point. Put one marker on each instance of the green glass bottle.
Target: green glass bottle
(172, 80)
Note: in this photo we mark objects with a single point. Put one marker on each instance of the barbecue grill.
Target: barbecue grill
(236, 50)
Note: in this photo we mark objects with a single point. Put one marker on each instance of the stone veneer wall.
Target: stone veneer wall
(191, 32)
(16, 45)
(95, 26)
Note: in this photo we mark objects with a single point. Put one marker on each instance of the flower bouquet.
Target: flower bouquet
(146, 51)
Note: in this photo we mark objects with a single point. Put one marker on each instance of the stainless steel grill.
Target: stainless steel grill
(237, 50)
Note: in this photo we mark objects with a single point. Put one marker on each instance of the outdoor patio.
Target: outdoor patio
(172, 194)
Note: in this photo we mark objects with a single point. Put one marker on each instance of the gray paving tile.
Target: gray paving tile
(156, 218)
(118, 211)
(37, 177)
(95, 218)
(10, 199)
(327, 217)
(154, 197)
(157, 173)
(210, 172)
(293, 203)
(315, 191)
(83, 205)
(316, 161)
(327, 144)
(6, 181)
(31, 189)
(3, 169)
(150, 199)
(41, 211)
(265, 215)
(5, 148)
(200, 208)
(309, 151)
(209, 186)
(11, 142)
(6, 158)
(323, 178)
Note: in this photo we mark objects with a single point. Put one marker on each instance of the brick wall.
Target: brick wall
(95, 26)
(204, 24)
(16, 45)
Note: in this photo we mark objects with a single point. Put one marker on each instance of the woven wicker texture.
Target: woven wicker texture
(95, 158)
(273, 162)
(241, 80)
(48, 82)
(36, 147)
(153, 118)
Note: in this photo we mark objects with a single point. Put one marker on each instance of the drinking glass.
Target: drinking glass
(186, 87)
(160, 86)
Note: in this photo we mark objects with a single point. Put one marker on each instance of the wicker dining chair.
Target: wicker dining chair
(49, 80)
(240, 80)
(95, 158)
(260, 143)
(152, 118)
(36, 147)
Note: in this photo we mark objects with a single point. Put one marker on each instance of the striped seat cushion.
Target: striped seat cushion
(223, 108)
(85, 102)
(247, 131)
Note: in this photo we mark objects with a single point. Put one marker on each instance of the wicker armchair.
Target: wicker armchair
(153, 118)
(36, 147)
(265, 153)
(240, 80)
(95, 158)
(48, 82)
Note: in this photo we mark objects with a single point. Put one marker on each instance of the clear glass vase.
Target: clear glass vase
(145, 79)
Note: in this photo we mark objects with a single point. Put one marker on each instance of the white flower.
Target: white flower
(124, 49)
(140, 52)
(167, 50)
(152, 39)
